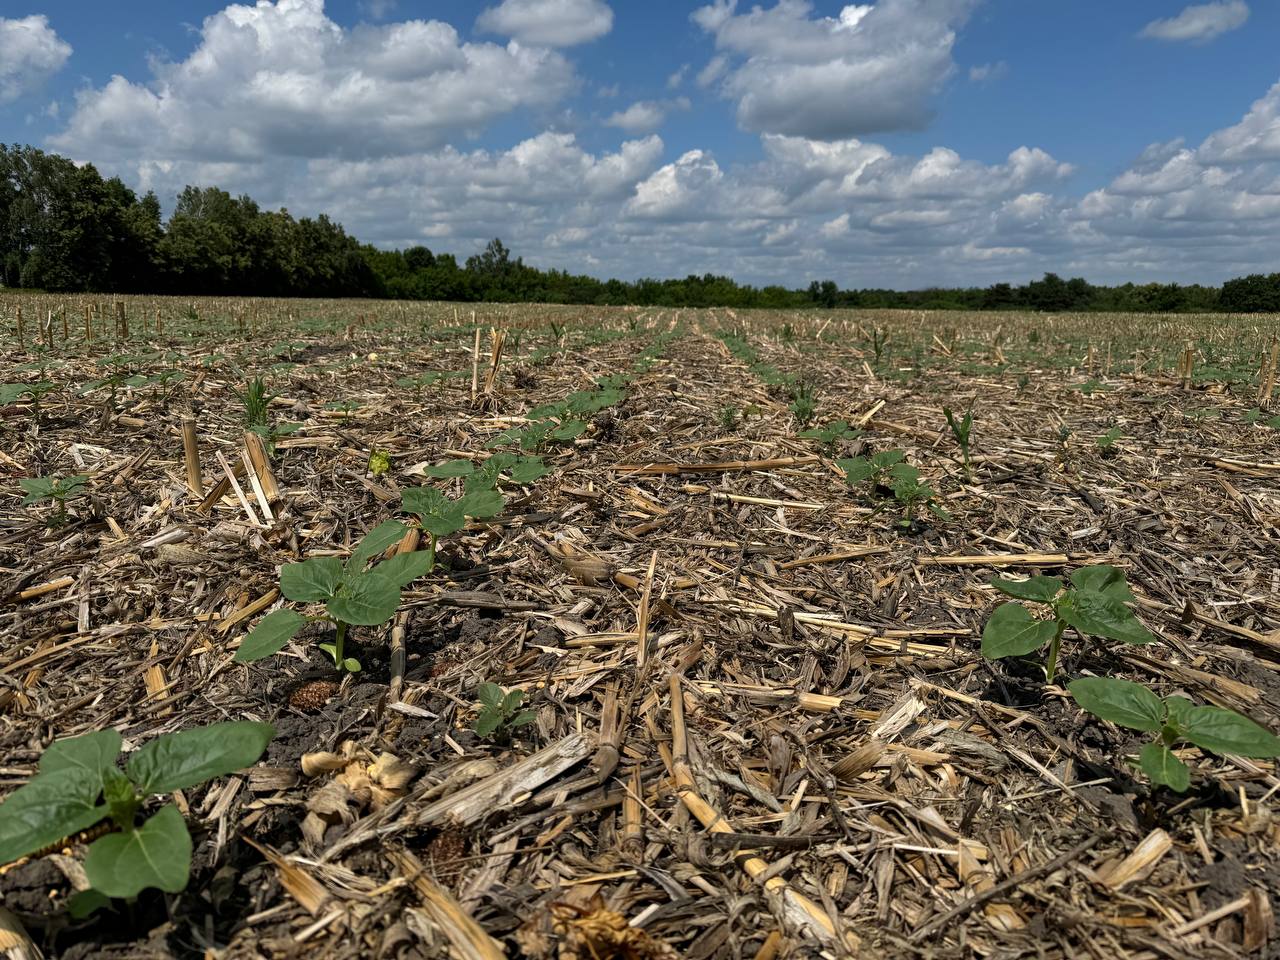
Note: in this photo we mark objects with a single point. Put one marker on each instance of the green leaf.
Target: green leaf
(856, 470)
(85, 903)
(1162, 767)
(423, 501)
(450, 469)
(1179, 708)
(404, 568)
(1120, 701)
(511, 702)
(1098, 615)
(37, 489)
(1013, 632)
(481, 503)
(1225, 731)
(91, 753)
(311, 580)
(528, 469)
(366, 600)
(270, 635)
(487, 722)
(522, 718)
(351, 665)
(886, 459)
(569, 430)
(158, 854)
(1104, 579)
(175, 761)
(1038, 589)
(384, 535)
(48, 808)
(490, 694)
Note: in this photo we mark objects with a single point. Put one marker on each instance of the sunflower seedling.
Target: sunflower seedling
(873, 470)
(1174, 720)
(58, 490)
(912, 495)
(352, 595)
(500, 712)
(831, 434)
(78, 785)
(438, 515)
(1094, 604)
(804, 404)
(1107, 442)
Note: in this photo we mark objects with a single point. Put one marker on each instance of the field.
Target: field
(755, 719)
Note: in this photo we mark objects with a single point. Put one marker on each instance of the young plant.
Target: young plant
(1174, 719)
(438, 515)
(379, 462)
(13, 392)
(1107, 442)
(873, 470)
(728, 418)
(78, 785)
(912, 495)
(804, 404)
(55, 489)
(500, 712)
(352, 595)
(1094, 605)
(960, 431)
(831, 434)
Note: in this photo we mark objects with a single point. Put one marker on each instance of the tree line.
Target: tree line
(63, 227)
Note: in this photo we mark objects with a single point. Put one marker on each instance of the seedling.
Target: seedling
(961, 430)
(1107, 442)
(804, 404)
(831, 434)
(728, 418)
(500, 713)
(1174, 719)
(379, 462)
(79, 785)
(352, 595)
(438, 515)
(912, 495)
(1094, 605)
(873, 470)
(879, 340)
(13, 392)
(58, 490)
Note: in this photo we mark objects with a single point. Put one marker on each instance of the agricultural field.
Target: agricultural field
(423, 630)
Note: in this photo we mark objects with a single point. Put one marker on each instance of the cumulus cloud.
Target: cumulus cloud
(645, 115)
(548, 23)
(282, 79)
(1199, 23)
(871, 69)
(30, 52)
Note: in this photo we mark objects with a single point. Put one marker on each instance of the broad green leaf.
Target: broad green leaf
(1120, 701)
(481, 503)
(270, 635)
(175, 761)
(904, 473)
(48, 808)
(1179, 708)
(1098, 615)
(490, 694)
(384, 535)
(311, 580)
(351, 665)
(1104, 579)
(1224, 731)
(569, 430)
(511, 702)
(523, 717)
(556, 410)
(856, 470)
(527, 470)
(450, 469)
(86, 902)
(1013, 632)
(488, 721)
(1162, 767)
(404, 568)
(366, 600)
(92, 753)
(1038, 589)
(887, 459)
(157, 854)
(423, 501)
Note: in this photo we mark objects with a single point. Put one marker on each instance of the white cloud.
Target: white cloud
(1199, 23)
(984, 72)
(548, 23)
(378, 9)
(282, 79)
(645, 115)
(30, 52)
(676, 80)
(713, 71)
(871, 69)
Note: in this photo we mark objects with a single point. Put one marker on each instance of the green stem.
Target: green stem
(1051, 667)
(337, 645)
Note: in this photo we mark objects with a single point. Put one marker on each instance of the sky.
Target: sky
(900, 143)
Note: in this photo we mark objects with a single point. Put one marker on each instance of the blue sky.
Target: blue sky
(902, 143)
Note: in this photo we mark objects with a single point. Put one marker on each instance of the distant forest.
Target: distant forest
(64, 227)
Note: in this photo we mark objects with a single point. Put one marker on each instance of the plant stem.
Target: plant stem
(1051, 667)
(337, 644)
